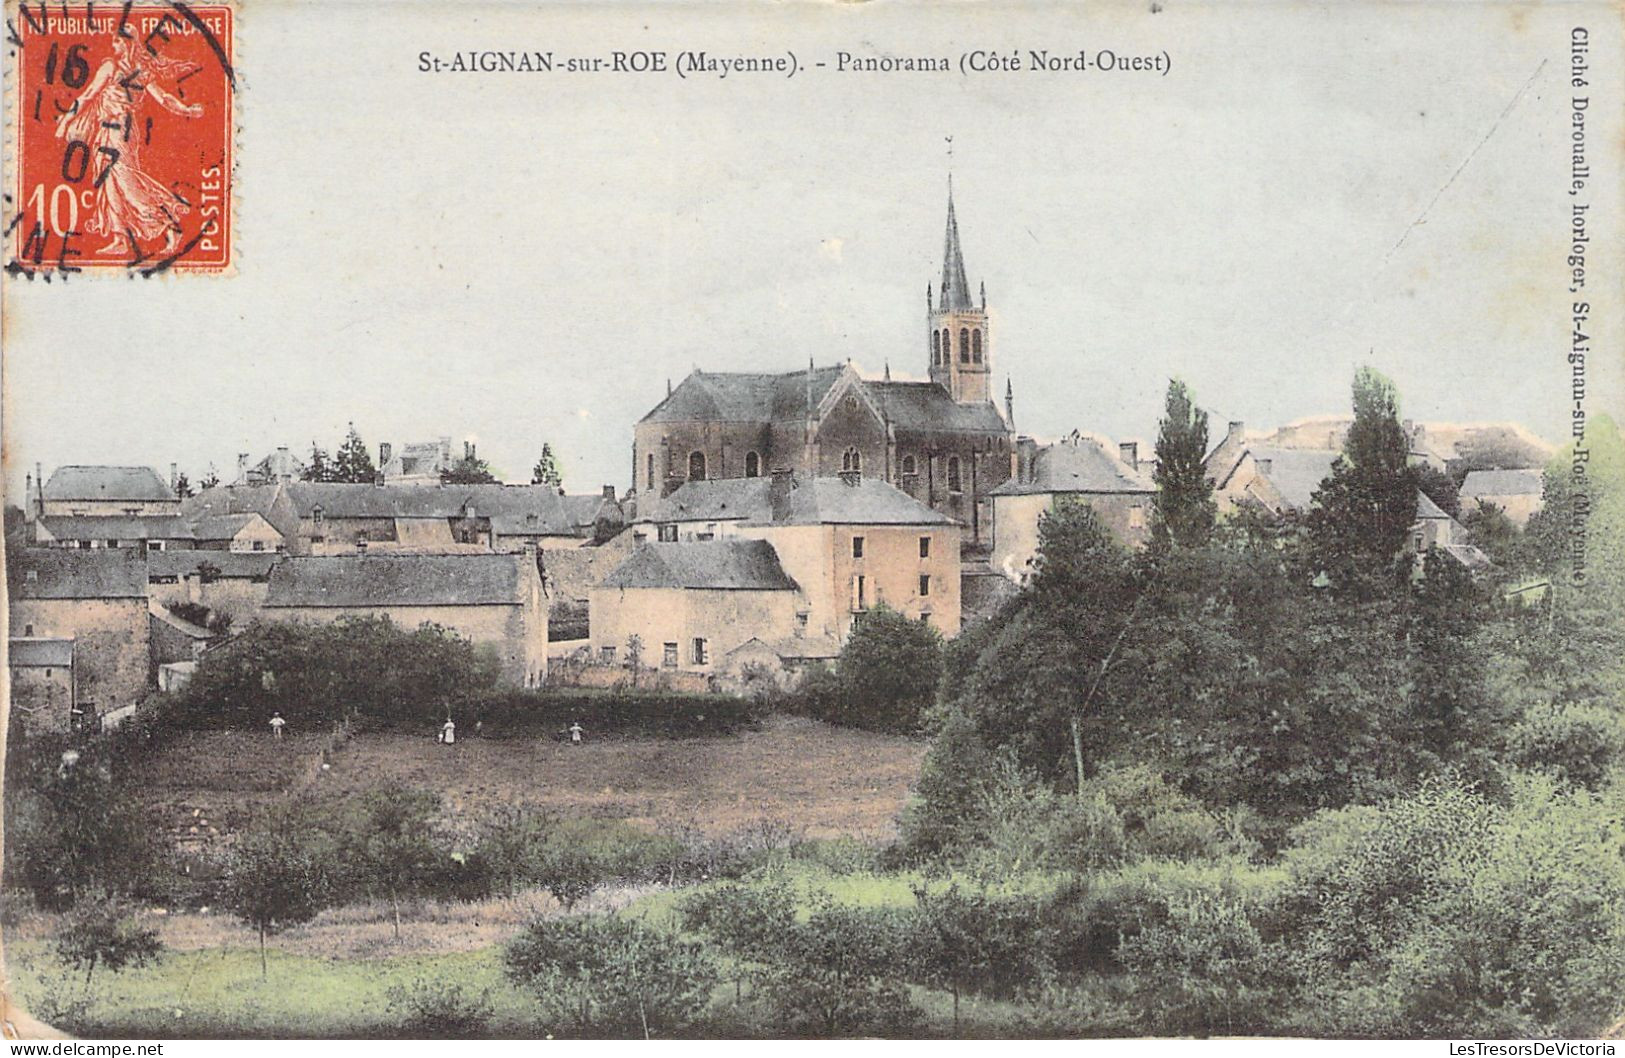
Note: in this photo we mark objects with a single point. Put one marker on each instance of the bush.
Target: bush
(103, 931)
(439, 1010)
(839, 974)
(569, 858)
(885, 679)
(1202, 968)
(1576, 744)
(514, 713)
(612, 975)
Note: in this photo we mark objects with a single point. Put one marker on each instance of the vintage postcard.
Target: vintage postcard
(733, 521)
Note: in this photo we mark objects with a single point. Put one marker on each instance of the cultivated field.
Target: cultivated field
(823, 781)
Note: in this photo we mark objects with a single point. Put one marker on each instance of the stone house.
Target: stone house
(1277, 479)
(42, 684)
(690, 604)
(98, 601)
(227, 582)
(851, 542)
(1434, 528)
(1519, 493)
(1112, 483)
(496, 601)
(225, 532)
(80, 491)
(943, 441)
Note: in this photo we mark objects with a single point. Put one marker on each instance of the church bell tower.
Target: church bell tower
(960, 349)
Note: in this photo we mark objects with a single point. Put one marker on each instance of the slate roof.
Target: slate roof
(1426, 508)
(61, 573)
(106, 483)
(1296, 473)
(954, 294)
(39, 652)
(1469, 556)
(237, 564)
(818, 501)
(1078, 465)
(220, 526)
(398, 580)
(739, 396)
(116, 527)
(726, 565)
(927, 406)
(1487, 483)
(231, 499)
(341, 500)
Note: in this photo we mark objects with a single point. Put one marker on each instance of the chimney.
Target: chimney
(174, 478)
(1263, 465)
(1234, 432)
(39, 489)
(851, 478)
(242, 468)
(385, 452)
(468, 450)
(609, 493)
(282, 472)
(1129, 452)
(778, 493)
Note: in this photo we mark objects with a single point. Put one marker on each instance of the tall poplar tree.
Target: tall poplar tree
(353, 462)
(1184, 512)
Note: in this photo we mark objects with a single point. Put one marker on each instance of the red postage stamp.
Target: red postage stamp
(122, 114)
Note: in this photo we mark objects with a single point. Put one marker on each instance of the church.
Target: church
(944, 442)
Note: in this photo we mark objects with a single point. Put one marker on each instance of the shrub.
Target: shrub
(1576, 744)
(514, 713)
(885, 679)
(609, 974)
(439, 1009)
(1201, 968)
(102, 930)
(838, 974)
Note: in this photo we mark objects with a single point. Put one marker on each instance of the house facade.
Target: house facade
(496, 601)
(851, 543)
(686, 606)
(97, 600)
(1112, 483)
(42, 684)
(89, 491)
(1518, 493)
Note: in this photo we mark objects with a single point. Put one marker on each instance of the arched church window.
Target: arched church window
(976, 345)
(696, 466)
(947, 347)
(964, 345)
(651, 472)
(753, 465)
(953, 474)
(852, 459)
(909, 466)
(936, 348)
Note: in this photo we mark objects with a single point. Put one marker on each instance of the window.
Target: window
(650, 476)
(947, 347)
(668, 534)
(936, 348)
(953, 474)
(699, 651)
(1136, 517)
(259, 545)
(852, 459)
(860, 596)
(925, 618)
(28, 630)
(909, 466)
(801, 622)
(112, 543)
(47, 673)
(606, 655)
(753, 465)
(132, 510)
(155, 545)
(925, 584)
(316, 513)
(964, 345)
(857, 547)
(925, 547)
(696, 466)
(976, 345)
(669, 656)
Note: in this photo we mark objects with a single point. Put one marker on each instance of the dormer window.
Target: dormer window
(852, 459)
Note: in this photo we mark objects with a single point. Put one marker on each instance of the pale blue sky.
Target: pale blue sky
(519, 259)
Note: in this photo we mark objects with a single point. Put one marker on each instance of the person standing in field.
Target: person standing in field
(575, 734)
(448, 732)
(276, 724)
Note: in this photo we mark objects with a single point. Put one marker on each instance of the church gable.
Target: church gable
(851, 431)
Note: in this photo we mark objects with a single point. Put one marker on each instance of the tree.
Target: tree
(183, 486)
(274, 881)
(748, 922)
(211, 480)
(839, 973)
(546, 471)
(469, 470)
(1365, 509)
(1441, 488)
(1184, 512)
(319, 467)
(102, 930)
(887, 673)
(391, 848)
(353, 463)
(612, 973)
(974, 942)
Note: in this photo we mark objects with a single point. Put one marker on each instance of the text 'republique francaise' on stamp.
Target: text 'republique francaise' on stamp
(122, 126)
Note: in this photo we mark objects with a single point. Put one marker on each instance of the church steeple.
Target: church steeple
(961, 351)
(955, 290)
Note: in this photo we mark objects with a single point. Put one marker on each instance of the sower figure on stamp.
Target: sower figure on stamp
(130, 204)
